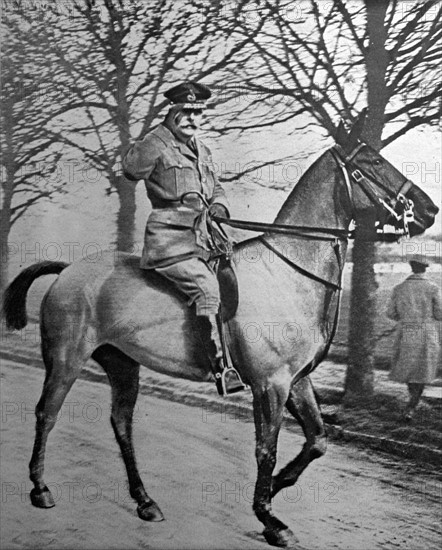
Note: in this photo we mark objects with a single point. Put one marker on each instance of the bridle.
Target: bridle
(397, 208)
(395, 205)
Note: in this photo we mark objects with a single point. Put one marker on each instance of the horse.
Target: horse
(289, 281)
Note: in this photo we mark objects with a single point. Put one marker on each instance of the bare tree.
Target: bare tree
(117, 58)
(317, 62)
(29, 163)
(311, 63)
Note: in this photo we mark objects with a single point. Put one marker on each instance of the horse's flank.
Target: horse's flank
(111, 300)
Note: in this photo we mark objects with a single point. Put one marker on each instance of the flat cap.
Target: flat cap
(418, 259)
(191, 95)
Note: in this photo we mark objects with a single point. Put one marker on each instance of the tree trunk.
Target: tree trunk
(359, 380)
(4, 264)
(125, 188)
(4, 248)
(126, 214)
(5, 221)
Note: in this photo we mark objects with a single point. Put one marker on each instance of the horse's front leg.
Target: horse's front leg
(268, 406)
(302, 404)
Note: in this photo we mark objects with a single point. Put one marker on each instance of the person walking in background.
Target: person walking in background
(416, 305)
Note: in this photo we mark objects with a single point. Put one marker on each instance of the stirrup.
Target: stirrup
(229, 381)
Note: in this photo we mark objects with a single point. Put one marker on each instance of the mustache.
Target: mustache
(179, 117)
(189, 125)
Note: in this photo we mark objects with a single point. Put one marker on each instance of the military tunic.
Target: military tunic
(416, 305)
(169, 169)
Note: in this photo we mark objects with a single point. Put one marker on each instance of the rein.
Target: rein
(332, 235)
(304, 231)
(351, 172)
(303, 271)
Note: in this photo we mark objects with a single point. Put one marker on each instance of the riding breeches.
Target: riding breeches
(197, 281)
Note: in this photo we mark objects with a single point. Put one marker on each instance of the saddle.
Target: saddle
(228, 286)
(229, 294)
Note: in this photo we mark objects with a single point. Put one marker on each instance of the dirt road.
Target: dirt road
(199, 467)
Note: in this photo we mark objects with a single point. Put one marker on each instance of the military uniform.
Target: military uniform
(177, 244)
(169, 169)
(172, 243)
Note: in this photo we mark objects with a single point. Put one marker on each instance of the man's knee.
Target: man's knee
(198, 282)
(208, 299)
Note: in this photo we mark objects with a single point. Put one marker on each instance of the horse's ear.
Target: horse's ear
(341, 137)
(357, 128)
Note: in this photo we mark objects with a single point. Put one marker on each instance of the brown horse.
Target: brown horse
(289, 281)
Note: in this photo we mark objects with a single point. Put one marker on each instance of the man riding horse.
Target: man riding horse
(89, 300)
(177, 169)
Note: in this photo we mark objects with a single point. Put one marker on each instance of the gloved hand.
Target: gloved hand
(219, 210)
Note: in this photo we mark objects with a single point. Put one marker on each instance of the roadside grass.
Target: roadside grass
(382, 416)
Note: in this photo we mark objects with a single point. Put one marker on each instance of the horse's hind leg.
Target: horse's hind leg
(123, 374)
(61, 373)
(303, 406)
(268, 407)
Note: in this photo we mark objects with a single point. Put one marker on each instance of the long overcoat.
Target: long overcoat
(169, 169)
(416, 305)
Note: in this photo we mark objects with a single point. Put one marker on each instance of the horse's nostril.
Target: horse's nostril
(416, 229)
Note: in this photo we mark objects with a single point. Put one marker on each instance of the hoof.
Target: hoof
(282, 538)
(149, 511)
(42, 499)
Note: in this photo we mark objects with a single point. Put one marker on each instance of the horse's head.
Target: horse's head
(375, 185)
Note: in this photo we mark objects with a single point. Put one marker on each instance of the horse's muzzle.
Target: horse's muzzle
(425, 211)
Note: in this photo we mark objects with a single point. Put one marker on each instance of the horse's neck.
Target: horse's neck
(319, 198)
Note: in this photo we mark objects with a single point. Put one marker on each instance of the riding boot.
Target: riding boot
(227, 379)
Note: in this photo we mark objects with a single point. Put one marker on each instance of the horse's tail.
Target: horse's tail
(14, 299)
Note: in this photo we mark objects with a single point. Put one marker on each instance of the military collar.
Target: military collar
(417, 276)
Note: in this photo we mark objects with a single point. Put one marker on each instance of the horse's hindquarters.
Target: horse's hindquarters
(108, 302)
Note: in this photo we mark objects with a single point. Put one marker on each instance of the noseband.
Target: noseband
(398, 209)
